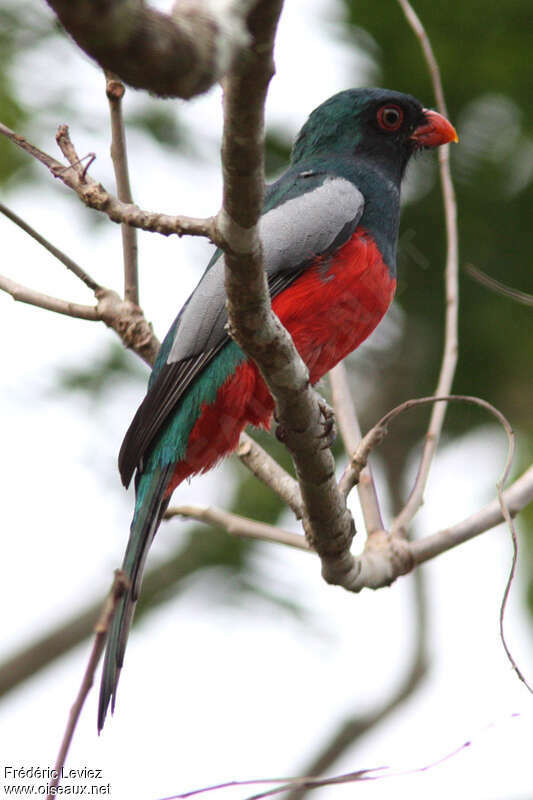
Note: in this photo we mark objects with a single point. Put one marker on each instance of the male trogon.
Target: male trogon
(329, 232)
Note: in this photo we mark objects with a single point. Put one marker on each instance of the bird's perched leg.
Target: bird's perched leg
(329, 427)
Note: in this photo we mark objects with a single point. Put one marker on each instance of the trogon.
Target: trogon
(329, 232)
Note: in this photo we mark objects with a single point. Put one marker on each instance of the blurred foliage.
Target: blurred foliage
(161, 123)
(114, 364)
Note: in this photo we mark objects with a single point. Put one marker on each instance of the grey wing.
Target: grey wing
(306, 225)
(293, 233)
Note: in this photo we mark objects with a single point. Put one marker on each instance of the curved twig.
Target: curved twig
(449, 358)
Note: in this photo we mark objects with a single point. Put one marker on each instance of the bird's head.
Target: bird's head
(372, 124)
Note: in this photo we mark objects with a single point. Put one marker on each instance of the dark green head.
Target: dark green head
(378, 125)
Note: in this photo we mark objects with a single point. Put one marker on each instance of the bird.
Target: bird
(329, 233)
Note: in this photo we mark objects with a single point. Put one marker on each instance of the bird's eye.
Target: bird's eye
(390, 117)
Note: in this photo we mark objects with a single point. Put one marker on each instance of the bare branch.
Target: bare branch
(351, 434)
(78, 271)
(328, 525)
(34, 298)
(120, 585)
(388, 555)
(516, 498)
(270, 472)
(119, 156)
(449, 359)
(125, 318)
(237, 525)
(129, 322)
(500, 288)
(180, 54)
(95, 196)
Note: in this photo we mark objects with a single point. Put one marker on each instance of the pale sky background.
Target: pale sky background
(213, 691)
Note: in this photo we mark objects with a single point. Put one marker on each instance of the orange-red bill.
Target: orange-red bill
(435, 131)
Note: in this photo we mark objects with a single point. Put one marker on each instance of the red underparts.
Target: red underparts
(329, 311)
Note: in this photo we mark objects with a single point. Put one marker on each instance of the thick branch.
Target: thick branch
(94, 195)
(327, 522)
(180, 54)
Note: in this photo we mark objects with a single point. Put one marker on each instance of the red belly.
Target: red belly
(329, 311)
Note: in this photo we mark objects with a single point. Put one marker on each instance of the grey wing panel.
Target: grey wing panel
(201, 326)
(310, 224)
(292, 234)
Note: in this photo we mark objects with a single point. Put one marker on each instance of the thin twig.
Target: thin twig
(449, 359)
(120, 585)
(267, 469)
(363, 774)
(351, 434)
(95, 196)
(119, 156)
(34, 298)
(78, 271)
(500, 288)
(237, 525)
(510, 524)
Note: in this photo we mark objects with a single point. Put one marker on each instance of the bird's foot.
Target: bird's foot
(329, 428)
(328, 433)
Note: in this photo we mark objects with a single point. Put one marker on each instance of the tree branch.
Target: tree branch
(95, 196)
(236, 525)
(180, 54)
(34, 298)
(449, 358)
(516, 498)
(119, 156)
(328, 524)
(71, 265)
(500, 288)
(270, 472)
(351, 435)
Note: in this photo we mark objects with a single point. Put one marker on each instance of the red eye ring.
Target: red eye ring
(390, 117)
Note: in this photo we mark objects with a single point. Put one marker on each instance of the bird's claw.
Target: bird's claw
(329, 428)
